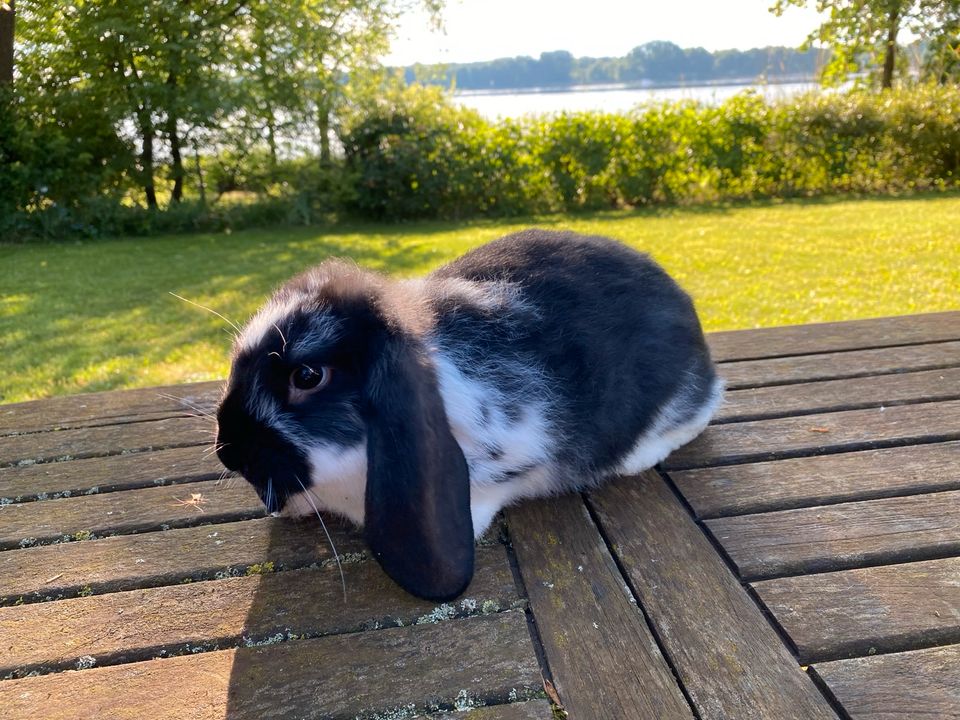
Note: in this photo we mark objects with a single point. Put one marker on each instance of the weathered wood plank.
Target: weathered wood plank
(108, 408)
(106, 474)
(530, 710)
(140, 624)
(728, 657)
(604, 661)
(836, 537)
(834, 336)
(833, 395)
(450, 665)
(862, 612)
(126, 562)
(846, 431)
(105, 440)
(127, 512)
(834, 366)
(820, 480)
(901, 686)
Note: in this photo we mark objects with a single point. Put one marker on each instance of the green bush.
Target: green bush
(415, 155)
(412, 153)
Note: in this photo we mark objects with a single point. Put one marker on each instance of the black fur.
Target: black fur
(615, 334)
(610, 334)
(417, 503)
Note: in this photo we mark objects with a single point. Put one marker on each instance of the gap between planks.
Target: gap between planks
(838, 537)
(450, 665)
(820, 434)
(773, 372)
(866, 611)
(871, 333)
(819, 480)
(261, 608)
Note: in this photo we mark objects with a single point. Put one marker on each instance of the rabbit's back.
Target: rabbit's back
(606, 341)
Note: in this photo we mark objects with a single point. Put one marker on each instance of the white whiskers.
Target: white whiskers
(227, 320)
(187, 404)
(336, 555)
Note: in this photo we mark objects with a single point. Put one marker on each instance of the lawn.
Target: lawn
(97, 315)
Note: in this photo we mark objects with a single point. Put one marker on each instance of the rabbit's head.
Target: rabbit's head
(331, 382)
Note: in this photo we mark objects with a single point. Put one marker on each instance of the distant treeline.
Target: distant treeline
(655, 63)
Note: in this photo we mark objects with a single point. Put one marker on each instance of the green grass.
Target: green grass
(97, 315)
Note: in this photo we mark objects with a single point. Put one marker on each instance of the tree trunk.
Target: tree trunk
(146, 158)
(323, 125)
(890, 59)
(203, 187)
(272, 140)
(7, 21)
(178, 172)
(174, 136)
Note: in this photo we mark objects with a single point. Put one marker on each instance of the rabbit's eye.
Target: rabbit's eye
(305, 379)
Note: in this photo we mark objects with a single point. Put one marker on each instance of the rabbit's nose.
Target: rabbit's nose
(230, 455)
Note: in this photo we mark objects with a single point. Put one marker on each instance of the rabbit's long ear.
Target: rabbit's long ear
(417, 506)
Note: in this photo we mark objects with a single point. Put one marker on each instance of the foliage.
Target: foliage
(85, 316)
(410, 153)
(162, 77)
(416, 156)
(656, 62)
(863, 33)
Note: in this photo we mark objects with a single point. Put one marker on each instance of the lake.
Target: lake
(612, 98)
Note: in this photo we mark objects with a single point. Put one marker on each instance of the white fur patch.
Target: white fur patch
(667, 433)
(487, 500)
(337, 482)
(492, 442)
(267, 320)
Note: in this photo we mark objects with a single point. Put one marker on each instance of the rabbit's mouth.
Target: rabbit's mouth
(276, 476)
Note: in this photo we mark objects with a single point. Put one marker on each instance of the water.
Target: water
(612, 98)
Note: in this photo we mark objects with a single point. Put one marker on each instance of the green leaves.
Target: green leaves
(415, 155)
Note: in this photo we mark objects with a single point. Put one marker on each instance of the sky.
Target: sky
(487, 29)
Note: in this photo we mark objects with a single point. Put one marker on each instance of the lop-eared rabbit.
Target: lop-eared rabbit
(540, 363)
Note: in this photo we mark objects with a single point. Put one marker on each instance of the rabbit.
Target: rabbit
(539, 363)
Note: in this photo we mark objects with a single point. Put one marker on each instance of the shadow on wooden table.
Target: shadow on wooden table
(271, 676)
(306, 649)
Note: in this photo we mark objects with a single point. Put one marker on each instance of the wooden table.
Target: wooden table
(801, 559)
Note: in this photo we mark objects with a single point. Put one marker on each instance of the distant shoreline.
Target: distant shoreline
(642, 85)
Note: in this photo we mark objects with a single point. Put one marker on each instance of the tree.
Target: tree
(146, 64)
(170, 72)
(7, 22)
(868, 29)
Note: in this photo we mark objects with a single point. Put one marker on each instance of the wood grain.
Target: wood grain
(834, 336)
(107, 440)
(863, 612)
(530, 710)
(128, 512)
(477, 660)
(165, 558)
(832, 395)
(215, 614)
(837, 537)
(847, 431)
(107, 474)
(834, 366)
(604, 661)
(819, 480)
(901, 686)
(108, 408)
(727, 656)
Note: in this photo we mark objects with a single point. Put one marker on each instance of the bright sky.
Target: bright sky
(487, 29)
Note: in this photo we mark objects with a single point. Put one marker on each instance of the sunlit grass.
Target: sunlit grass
(89, 316)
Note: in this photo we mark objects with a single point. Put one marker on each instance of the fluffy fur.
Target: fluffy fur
(539, 363)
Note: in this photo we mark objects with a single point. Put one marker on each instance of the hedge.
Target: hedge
(414, 154)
